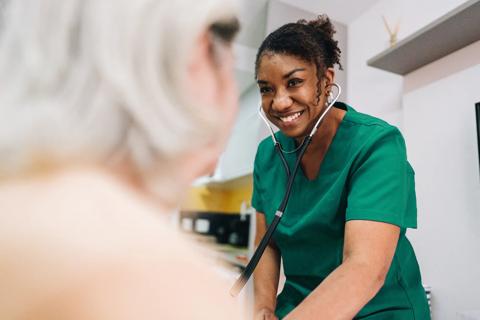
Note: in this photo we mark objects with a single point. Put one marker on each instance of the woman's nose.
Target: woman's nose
(281, 101)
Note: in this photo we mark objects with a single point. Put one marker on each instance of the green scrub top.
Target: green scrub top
(364, 175)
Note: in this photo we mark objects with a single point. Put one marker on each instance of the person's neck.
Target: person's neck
(327, 129)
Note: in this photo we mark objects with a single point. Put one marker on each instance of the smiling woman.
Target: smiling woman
(288, 87)
(342, 236)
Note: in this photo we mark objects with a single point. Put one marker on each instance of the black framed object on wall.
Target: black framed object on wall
(477, 113)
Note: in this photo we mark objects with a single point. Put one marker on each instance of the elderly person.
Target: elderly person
(108, 110)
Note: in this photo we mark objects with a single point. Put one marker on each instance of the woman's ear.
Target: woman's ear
(329, 77)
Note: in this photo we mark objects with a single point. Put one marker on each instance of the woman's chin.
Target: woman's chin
(295, 134)
(294, 129)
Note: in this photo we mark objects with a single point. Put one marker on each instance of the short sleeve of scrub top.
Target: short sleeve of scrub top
(380, 180)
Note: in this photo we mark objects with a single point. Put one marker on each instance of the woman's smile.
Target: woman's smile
(291, 118)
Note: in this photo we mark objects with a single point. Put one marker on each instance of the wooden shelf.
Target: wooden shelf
(445, 35)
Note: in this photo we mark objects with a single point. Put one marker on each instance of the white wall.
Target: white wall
(252, 15)
(434, 106)
(440, 131)
(375, 91)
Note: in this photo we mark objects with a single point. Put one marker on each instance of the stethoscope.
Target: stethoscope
(247, 272)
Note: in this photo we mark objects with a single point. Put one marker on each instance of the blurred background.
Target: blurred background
(415, 64)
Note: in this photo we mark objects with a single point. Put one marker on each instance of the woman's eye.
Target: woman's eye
(294, 82)
(264, 90)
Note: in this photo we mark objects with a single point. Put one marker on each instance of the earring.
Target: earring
(329, 98)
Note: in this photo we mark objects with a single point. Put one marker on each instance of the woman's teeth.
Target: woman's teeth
(291, 117)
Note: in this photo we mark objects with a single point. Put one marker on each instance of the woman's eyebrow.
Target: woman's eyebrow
(259, 81)
(292, 72)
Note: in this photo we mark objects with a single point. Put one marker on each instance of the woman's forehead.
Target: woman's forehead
(282, 63)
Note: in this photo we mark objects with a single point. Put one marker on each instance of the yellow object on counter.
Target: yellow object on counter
(220, 197)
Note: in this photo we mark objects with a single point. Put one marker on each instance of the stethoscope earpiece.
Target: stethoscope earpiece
(330, 97)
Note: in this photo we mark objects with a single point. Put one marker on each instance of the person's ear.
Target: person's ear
(211, 83)
(210, 70)
(200, 70)
(329, 77)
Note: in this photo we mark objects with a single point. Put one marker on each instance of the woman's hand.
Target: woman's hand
(265, 314)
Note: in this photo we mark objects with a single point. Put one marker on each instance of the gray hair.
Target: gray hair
(92, 79)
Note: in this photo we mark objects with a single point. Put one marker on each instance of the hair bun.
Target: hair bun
(321, 24)
(311, 41)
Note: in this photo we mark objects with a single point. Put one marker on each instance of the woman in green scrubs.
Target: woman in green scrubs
(342, 237)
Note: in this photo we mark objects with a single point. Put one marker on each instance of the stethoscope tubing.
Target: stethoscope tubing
(252, 264)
